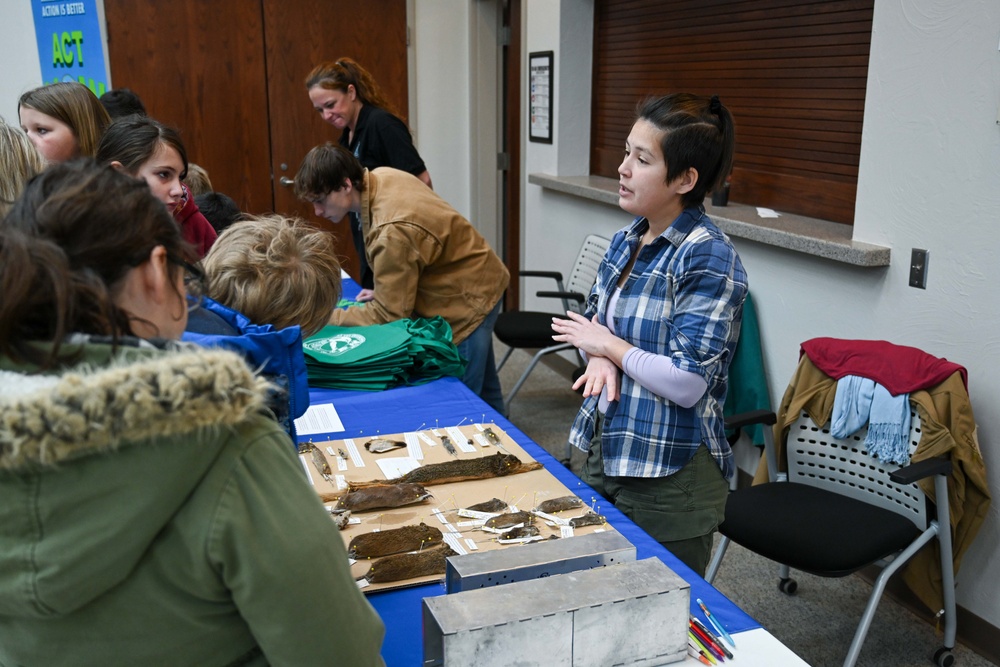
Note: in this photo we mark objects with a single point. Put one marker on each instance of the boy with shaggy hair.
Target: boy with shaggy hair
(275, 270)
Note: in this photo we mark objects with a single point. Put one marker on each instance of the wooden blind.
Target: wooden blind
(793, 73)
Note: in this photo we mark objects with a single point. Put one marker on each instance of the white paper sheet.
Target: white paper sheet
(352, 451)
(413, 446)
(319, 419)
(460, 440)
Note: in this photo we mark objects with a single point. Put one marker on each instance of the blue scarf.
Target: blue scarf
(859, 400)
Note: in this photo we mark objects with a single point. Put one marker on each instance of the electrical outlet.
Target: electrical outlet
(918, 268)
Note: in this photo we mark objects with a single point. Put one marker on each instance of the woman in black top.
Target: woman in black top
(347, 97)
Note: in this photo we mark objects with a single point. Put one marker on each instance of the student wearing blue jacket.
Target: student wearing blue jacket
(270, 282)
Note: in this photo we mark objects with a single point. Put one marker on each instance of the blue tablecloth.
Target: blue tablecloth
(447, 402)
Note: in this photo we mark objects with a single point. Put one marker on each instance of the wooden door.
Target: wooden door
(301, 33)
(198, 65)
(511, 113)
(229, 74)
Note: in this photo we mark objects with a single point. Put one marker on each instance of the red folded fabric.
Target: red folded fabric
(898, 368)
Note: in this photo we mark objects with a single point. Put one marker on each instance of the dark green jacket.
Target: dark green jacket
(150, 515)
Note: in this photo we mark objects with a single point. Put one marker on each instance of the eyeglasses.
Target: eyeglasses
(194, 281)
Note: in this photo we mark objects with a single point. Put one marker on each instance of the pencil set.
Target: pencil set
(704, 645)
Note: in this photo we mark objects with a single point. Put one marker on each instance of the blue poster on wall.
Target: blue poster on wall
(69, 42)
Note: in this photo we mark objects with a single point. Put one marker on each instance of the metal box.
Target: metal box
(537, 560)
(634, 614)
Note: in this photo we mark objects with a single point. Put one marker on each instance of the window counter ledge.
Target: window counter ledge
(821, 238)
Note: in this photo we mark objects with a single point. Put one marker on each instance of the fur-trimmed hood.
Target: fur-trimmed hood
(49, 419)
(98, 460)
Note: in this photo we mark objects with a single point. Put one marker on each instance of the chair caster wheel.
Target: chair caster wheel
(943, 657)
(788, 586)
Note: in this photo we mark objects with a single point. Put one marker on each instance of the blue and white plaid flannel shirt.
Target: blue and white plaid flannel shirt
(684, 299)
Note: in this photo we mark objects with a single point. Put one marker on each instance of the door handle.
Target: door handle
(287, 182)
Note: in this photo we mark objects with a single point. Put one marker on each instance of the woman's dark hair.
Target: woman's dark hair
(121, 102)
(219, 209)
(132, 140)
(74, 233)
(698, 132)
(325, 168)
(338, 75)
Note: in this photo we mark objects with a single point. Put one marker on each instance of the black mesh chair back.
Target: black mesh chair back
(532, 330)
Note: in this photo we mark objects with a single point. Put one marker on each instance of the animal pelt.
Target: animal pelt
(45, 420)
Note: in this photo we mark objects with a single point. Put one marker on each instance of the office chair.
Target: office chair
(521, 329)
(837, 510)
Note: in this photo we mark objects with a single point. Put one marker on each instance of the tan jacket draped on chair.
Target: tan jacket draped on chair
(948, 429)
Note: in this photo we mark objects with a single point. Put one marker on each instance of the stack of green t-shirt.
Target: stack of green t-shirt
(382, 356)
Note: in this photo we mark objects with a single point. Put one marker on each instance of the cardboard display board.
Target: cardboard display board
(350, 461)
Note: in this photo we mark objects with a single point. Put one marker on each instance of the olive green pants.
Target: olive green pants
(681, 511)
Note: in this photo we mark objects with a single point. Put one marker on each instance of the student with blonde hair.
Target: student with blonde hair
(19, 161)
(64, 120)
(197, 180)
(276, 270)
(271, 282)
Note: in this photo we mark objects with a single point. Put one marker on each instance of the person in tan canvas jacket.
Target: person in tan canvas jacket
(427, 258)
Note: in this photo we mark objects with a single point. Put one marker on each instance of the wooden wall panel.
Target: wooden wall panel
(512, 146)
(199, 66)
(299, 34)
(229, 74)
(792, 72)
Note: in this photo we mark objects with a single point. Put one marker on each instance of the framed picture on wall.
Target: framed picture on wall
(540, 96)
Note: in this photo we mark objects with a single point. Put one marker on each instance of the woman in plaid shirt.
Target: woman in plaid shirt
(660, 331)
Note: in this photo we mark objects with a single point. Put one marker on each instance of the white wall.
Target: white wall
(441, 92)
(455, 93)
(19, 55)
(566, 28)
(929, 178)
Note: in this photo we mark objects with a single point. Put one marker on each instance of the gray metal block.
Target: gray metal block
(542, 642)
(537, 560)
(632, 614)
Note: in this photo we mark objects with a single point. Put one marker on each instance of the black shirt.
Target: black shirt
(380, 140)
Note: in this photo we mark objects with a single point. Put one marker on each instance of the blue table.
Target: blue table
(447, 402)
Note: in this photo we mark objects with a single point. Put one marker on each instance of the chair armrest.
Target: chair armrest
(750, 418)
(572, 296)
(917, 471)
(555, 275)
(767, 418)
